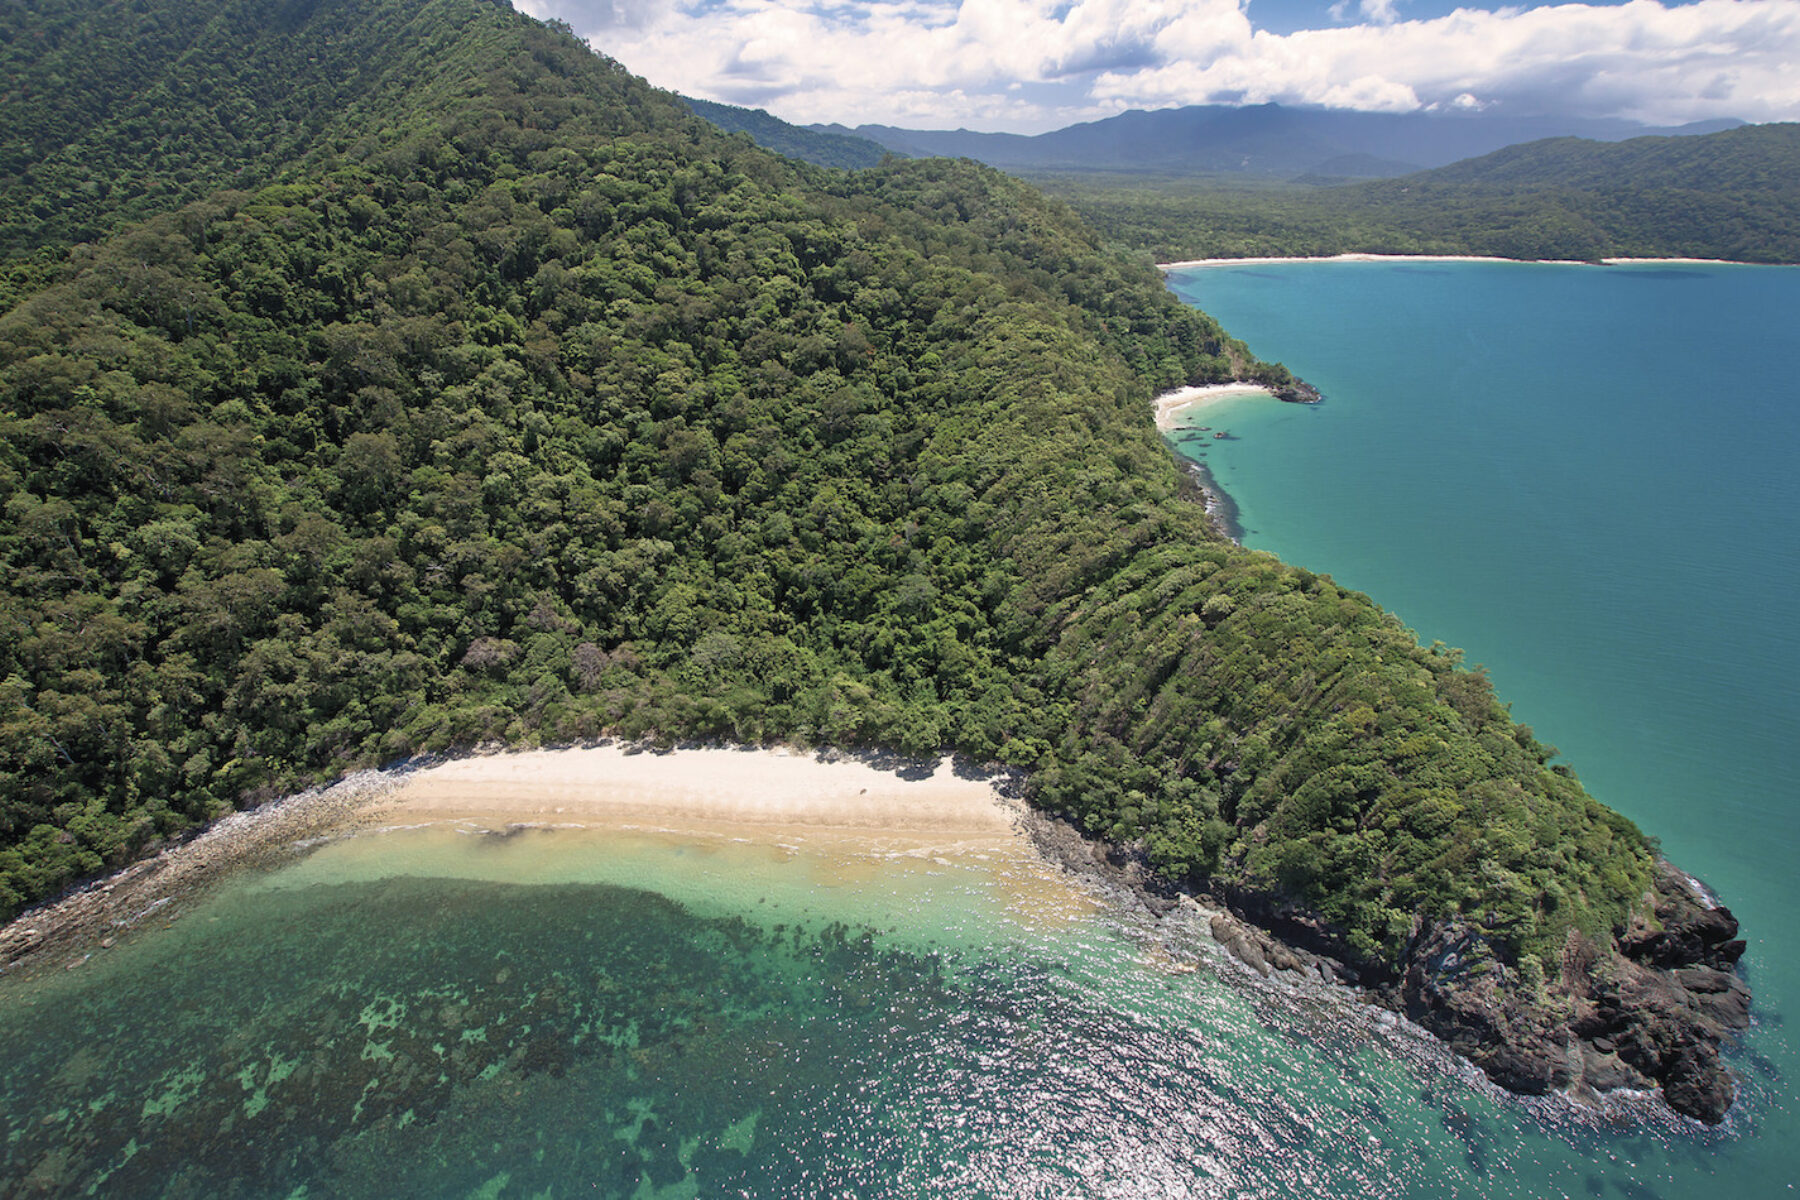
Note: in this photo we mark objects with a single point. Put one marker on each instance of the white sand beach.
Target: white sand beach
(711, 823)
(840, 820)
(1430, 258)
(1327, 258)
(754, 791)
(1170, 405)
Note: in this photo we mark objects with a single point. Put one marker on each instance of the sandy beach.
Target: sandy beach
(850, 809)
(1328, 258)
(755, 794)
(1429, 258)
(1170, 405)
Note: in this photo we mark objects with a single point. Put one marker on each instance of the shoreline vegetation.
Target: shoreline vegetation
(852, 807)
(152, 891)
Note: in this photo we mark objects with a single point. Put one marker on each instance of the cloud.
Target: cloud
(589, 17)
(948, 63)
(1638, 60)
(1381, 12)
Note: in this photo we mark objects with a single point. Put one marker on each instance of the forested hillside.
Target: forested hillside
(1727, 195)
(520, 404)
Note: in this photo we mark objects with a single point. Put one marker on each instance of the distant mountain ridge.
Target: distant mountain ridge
(1265, 139)
(1752, 157)
(826, 149)
(1727, 195)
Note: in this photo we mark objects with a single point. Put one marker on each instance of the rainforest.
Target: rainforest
(379, 379)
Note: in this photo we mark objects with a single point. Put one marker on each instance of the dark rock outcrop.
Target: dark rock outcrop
(1265, 954)
(1457, 986)
(1297, 392)
(1670, 998)
(1653, 1010)
(1690, 928)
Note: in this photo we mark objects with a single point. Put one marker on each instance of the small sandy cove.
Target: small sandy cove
(1170, 405)
(760, 793)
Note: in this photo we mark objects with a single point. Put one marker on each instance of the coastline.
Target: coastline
(873, 806)
(1170, 405)
(1652, 1009)
(152, 891)
(1273, 260)
(855, 813)
(1170, 408)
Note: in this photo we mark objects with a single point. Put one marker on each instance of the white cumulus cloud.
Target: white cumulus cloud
(1029, 65)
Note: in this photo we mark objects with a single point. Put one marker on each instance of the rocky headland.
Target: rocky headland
(1652, 1010)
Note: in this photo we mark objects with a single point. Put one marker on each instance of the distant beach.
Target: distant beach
(1427, 258)
(1170, 405)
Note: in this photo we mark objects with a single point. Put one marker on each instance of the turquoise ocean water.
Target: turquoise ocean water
(1586, 478)
(558, 1013)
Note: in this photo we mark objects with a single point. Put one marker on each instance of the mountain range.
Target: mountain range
(1268, 140)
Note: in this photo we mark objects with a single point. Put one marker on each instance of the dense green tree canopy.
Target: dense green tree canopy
(518, 403)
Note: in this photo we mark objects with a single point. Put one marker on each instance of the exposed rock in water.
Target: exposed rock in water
(1671, 998)
(1297, 392)
(1652, 1010)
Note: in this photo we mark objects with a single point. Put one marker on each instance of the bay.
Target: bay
(426, 1013)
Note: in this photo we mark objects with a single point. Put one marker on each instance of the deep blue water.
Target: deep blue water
(1586, 478)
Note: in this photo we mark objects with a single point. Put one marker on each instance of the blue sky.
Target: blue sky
(1031, 65)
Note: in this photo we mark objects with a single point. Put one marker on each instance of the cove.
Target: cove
(426, 1012)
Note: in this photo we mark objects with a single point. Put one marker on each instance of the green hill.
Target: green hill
(506, 399)
(1747, 160)
(1727, 195)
